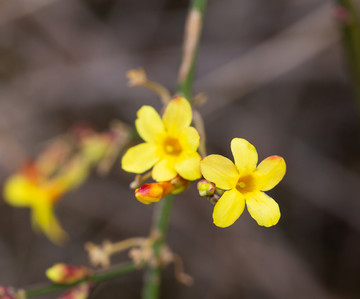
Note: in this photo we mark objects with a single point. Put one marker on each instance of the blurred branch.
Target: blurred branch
(98, 277)
(271, 59)
(348, 17)
(11, 10)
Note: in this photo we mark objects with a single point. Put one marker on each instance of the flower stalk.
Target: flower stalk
(193, 28)
(151, 288)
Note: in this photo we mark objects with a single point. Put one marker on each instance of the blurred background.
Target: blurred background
(274, 73)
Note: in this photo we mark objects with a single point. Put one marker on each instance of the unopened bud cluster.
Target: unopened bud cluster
(206, 188)
(67, 274)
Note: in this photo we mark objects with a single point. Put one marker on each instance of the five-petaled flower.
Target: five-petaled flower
(244, 183)
(170, 143)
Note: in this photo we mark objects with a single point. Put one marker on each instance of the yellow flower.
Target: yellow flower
(27, 189)
(170, 143)
(244, 183)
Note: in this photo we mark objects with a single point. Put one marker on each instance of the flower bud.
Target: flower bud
(67, 274)
(11, 293)
(81, 291)
(137, 77)
(205, 188)
(149, 193)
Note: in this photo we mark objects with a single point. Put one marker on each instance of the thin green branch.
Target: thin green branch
(96, 278)
(192, 35)
(151, 288)
(193, 29)
(348, 16)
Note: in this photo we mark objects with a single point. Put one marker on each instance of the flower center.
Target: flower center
(172, 146)
(245, 184)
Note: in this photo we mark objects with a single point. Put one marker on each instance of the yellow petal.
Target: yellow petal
(177, 115)
(245, 155)
(263, 208)
(18, 191)
(148, 124)
(229, 208)
(270, 172)
(219, 170)
(164, 170)
(188, 166)
(45, 219)
(189, 139)
(139, 158)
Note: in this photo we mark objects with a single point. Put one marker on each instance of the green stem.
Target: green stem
(193, 30)
(350, 28)
(96, 278)
(151, 288)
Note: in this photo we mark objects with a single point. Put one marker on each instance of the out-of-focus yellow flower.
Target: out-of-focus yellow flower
(67, 274)
(170, 143)
(244, 183)
(29, 189)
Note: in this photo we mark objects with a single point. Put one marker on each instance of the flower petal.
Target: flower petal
(148, 124)
(270, 172)
(263, 208)
(188, 166)
(219, 170)
(189, 139)
(245, 155)
(139, 158)
(229, 208)
(18, 191)
(177, 115)
(44, 218)
(164, 170)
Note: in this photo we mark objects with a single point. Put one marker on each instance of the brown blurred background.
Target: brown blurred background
(274, 73)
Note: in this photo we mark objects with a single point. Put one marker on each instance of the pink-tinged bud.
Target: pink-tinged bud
(149, 193)
(81, 291)
(67, 274)
(205, 188)
(179, 185)
(342, 14)
(11, 293)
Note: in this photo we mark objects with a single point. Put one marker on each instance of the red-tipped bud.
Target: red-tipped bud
(67, 274)
(149, 193)
(81, 291)
(205, 188)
